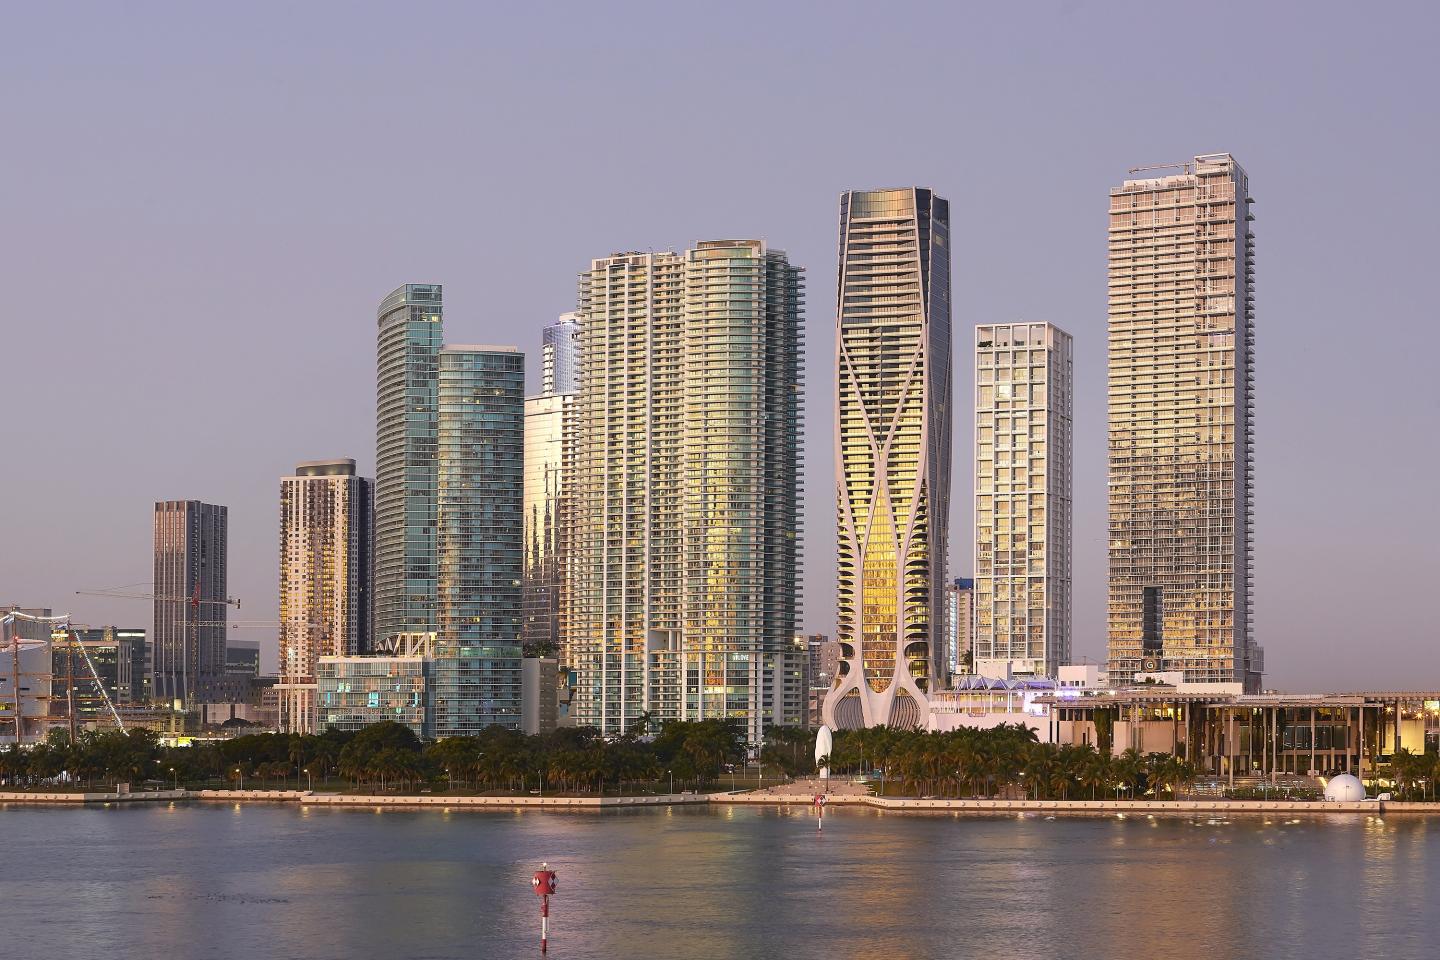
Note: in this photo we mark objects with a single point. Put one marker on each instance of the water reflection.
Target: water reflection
(711, 883)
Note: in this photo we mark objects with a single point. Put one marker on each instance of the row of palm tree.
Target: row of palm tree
(1006, 761)
(1415, 774)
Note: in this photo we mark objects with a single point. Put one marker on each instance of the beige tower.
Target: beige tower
(1181, 424)
(1023, 402)
(325, 523)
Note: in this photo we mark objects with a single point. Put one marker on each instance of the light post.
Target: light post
(240, 774)
(175, 780)
(672, 781)
(309, 781)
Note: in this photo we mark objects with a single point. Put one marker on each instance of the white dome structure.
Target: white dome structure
(1344, 788)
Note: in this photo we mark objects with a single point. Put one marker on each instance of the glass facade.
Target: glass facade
(560, 356)
(354, 692)
(1024, 381)
(480, 510)
(188, 636)
(960, 625)
(407, 357)
(546, 417)
(683, 545)
(893, 423)
(325, 536)
(1182, 337)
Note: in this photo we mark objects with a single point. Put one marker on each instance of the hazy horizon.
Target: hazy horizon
(205, 205)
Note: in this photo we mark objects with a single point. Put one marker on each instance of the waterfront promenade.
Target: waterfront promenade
(840, 795)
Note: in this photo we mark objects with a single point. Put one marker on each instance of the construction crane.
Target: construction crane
(118, 592)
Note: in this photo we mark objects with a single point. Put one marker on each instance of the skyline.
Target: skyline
(143, 246)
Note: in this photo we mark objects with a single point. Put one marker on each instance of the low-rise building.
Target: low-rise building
(985, 702)
(1231, 734)
(393, 684)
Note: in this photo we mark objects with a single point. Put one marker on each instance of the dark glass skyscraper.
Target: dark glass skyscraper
(407, 354)
(188, 641)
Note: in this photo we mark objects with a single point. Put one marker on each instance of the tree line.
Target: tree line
(389, 755)
(1006, 761)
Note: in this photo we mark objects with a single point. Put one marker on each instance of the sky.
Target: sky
(201, 206)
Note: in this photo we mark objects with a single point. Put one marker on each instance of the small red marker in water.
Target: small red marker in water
(544, 883)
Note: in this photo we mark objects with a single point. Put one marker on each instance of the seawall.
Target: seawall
(888, 804)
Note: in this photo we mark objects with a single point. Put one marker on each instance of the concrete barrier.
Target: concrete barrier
(889, 804)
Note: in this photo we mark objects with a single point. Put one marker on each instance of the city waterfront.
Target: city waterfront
(710, 881)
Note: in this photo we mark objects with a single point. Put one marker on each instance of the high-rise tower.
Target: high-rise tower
(325, 530)
(893, 397)
(547, 431)
(1181, 424)
(560, 356)
(681, 600)
(1023, 404)
(407, 378)
(480, 479)
(188, 641)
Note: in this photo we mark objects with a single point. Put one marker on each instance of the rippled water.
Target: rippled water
(275, 881)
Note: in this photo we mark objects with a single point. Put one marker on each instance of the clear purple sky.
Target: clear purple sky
(202, 204)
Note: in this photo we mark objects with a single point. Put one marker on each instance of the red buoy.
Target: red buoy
(544, 883)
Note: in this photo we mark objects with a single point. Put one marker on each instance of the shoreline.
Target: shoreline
(901, 805)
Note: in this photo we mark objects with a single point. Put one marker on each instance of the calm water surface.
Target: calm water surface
(275, 881)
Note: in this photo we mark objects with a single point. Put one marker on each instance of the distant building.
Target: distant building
(480, 474)
(1023, 448)
(822, 660)
(406, 424)
(120, 659)
(683, 528)
(326, 517)
(893, 426)
(547, 418)
(560, 356)
(1181, 381)
(540, 710)
(960, 625)
(191, 604)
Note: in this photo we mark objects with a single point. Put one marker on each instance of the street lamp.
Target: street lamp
(174, 779)
(309, 781)
(672, 780)
(240, 774)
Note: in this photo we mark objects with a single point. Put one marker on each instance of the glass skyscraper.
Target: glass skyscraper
(546, 417)
(188, 640)
(893, 421)
(407, 379)
(480, 481)
(560, 356)
(683, 537)
(1182, 340)
(325, 543)
(547, 421)
(1023, 401)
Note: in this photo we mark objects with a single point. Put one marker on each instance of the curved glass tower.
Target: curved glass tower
(407, 378)
(892, 445)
